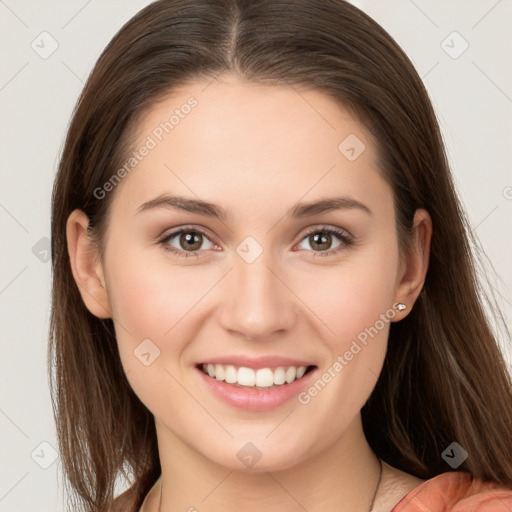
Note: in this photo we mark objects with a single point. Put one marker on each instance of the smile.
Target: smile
(262, 378)
(261, 388)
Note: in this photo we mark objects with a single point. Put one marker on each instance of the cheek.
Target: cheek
(354, 304)
(155, 304)
(148, 296)
(351, 297)
(148, 302)
(144, 307)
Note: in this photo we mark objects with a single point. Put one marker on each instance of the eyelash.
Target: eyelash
(345, 238)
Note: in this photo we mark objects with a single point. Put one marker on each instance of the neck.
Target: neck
(343, 476)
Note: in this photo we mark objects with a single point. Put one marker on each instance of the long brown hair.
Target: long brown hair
(444, 377)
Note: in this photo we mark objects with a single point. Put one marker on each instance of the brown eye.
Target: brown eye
(321, 240)
(186, 242)
(190, 240)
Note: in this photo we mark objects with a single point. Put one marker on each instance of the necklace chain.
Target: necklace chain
(371, 503)
(376, 488)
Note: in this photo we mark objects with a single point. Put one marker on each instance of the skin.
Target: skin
(256, 151)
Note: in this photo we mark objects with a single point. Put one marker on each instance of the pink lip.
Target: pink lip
(255, 363)
(256, 399)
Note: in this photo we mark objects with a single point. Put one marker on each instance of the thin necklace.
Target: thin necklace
(371, 503)
(376, 488)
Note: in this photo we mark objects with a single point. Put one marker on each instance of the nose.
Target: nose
(259, 302)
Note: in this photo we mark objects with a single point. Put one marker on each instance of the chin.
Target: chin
(256, 457)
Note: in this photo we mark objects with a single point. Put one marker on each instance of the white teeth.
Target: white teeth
(279, 376)
(301, 371)
(291, 373)
(219, 372)
(261, 378)
(246, 376)
(230, 375)
(264, 378)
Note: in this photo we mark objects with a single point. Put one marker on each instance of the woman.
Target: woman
(264, 294)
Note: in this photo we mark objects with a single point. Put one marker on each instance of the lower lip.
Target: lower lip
(256, 399)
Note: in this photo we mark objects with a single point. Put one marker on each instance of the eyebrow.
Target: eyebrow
(208, 209)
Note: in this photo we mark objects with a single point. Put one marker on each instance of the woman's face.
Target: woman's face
(262, 287)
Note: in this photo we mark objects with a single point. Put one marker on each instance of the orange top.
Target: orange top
(456, 491)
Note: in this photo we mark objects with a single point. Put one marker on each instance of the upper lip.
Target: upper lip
(256, 362)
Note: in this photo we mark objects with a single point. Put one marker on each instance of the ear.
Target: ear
(86, 265)
(415, 263)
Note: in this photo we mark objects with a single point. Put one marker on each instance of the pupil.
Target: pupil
(192, 240)
(320, 239)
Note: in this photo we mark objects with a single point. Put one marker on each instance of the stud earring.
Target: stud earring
(401, 306)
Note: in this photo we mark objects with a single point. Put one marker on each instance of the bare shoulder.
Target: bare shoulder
(124, 502)
(127, 502)
(395, 485)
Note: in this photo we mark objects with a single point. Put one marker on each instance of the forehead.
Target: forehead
(249, 144)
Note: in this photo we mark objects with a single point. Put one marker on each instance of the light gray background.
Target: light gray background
(472, 95)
